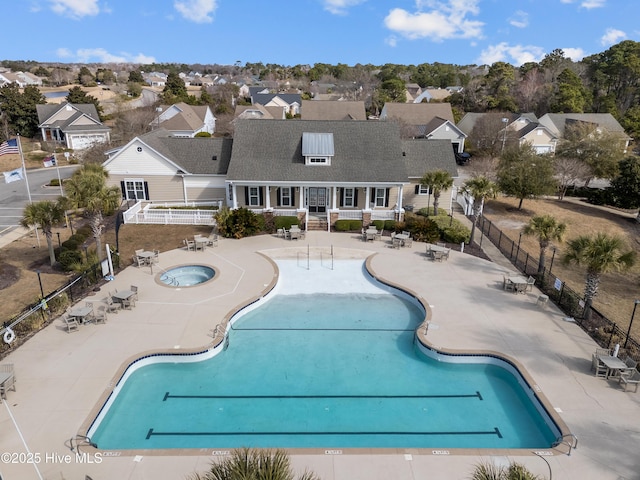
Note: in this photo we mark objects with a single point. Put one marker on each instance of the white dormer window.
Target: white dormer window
(317, 148)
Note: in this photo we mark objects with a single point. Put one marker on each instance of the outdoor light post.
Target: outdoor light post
(635, 305)
(59, 244)
(504, 133)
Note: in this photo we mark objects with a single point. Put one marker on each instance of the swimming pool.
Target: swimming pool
(320, 370)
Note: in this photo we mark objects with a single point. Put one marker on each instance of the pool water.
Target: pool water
(323, 371)
(187, 276)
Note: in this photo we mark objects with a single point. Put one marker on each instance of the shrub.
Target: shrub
(343, 225)
(451, 230)
(355, 225)
(54, 182)
(286, 221)
(74, 241)
(422, 229)
(68, 258)
(379, 224)
(241, 223)
(389, 224)
(202, 134)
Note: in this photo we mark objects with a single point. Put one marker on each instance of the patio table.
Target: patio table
(81, 313)
(614, 365)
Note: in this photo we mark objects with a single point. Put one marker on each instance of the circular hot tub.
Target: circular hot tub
(187, 275)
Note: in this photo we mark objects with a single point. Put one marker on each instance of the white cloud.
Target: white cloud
(588, 4)
(391, 40)
(520, 19)
(514, 54)
(575, 54)
(612, 36)
(75, 8)
(440, 21)
(339, 7)
(100, 55)
(198, 11)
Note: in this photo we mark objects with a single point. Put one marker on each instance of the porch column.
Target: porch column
(184, 190)
(301, 196)
(334, 197)
(367, 198)
(400, 197)
(267, 203)
(234, 201)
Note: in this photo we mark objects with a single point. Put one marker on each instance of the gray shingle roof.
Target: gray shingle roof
(422, 156)
(271, 151)
(192, 155)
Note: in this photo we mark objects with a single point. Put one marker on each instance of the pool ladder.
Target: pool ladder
(220, 329)
(568, 439)
(81, 441)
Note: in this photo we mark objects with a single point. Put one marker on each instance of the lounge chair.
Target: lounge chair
(628, 380)
(71, 323)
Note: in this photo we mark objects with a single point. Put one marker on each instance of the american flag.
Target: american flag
(10, 146)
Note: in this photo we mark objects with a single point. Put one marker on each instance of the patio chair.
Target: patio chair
(530, 283)
(70, 323)
(212, 240)
(100, 315)
(507, 284)
(408, 242)
(111, 305)
(137, 261)
(280, 233)
(10, 383)
(597, 367)
(190, 244)
(437, 256)
(631, 366)
(134, 289)
(379, 234)
(441, 244)
(603, 352)
(631, 379)
(156, 257)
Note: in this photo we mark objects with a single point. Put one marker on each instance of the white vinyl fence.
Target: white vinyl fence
(147, 214)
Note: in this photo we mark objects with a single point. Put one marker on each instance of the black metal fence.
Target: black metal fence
(604, 331)
(36, 316)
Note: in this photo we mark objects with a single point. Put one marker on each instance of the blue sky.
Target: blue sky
(290, 32)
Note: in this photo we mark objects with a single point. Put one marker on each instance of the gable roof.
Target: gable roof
(68, 117)
(192, 155)
(288, 98)
(468, 122)
(557, 122)
(333, 110)
(417, 113)
(272, 151)
(187, 117)
(422, 156)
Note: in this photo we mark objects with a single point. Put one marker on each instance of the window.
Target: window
(254, 196)
(134, 190)
(318, 160)
(380, 197)
(285, 197)
(422, 190)
(348, 197)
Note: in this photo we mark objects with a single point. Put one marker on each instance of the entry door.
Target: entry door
(317, 200)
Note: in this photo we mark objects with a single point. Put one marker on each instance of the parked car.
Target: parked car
(462, 158)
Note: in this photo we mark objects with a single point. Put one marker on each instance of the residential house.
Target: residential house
(557, 123)
(76, 126)
(330, 110)
(426, 120)
(320, 171)
(23, 79)
(259, 112)
(184, 120)
(289, 102)
(160, 167)
(412, 91)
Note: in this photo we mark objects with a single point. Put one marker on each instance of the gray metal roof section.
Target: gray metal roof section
(197, 156)
(317, 144)
(421, 156)
(271, 151)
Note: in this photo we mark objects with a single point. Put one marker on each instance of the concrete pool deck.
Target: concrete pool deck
(61, 376)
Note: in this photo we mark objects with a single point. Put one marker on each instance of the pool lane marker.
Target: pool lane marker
(168, 396)
(152, 433)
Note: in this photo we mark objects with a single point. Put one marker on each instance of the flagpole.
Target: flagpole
(26, 181)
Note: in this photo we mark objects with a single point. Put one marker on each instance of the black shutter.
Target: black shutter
(292, 191)
(146, 191)
(341, 193)
(124, 192)
(278, 197)
(355, 197)
(246, 196)
(386, 197)
(261, 195)
(417, 189)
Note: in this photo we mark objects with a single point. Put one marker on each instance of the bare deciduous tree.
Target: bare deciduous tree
(569, 172)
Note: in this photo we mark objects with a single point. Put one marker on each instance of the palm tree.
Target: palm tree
(248, 464)
(45, 214)
(479, 188)
(437, 181)
(87, 190)
(600, 253)
(546, 228)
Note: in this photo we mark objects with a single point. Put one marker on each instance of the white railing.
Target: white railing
(349, 214)
(168, 216)
(383, 215)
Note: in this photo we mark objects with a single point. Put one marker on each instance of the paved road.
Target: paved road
(14, 197)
